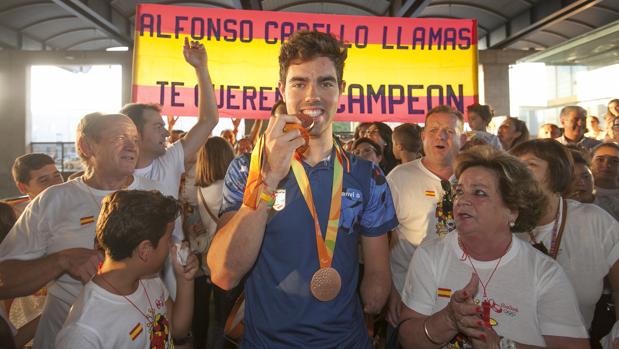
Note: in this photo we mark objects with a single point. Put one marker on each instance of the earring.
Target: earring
(512, 224)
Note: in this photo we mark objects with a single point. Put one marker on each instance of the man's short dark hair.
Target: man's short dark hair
(372, 144)
(135, 111)
(484, 111)
(25, 164)
(409, 136)
(306, 45)
(579, 155)
(129, 217)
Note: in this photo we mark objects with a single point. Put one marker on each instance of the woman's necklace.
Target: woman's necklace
(486, 303)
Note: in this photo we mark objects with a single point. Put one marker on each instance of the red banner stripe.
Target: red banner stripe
(273, 27)
(258, 105)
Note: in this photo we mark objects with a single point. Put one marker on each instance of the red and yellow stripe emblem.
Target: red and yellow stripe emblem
(443, 292)
(135, 332)
(430, 193)
(87, 220)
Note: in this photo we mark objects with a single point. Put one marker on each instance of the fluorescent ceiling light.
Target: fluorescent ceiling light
(118, 48)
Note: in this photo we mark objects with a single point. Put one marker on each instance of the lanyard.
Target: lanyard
(556, 236)
(325, 246)
(252, 192)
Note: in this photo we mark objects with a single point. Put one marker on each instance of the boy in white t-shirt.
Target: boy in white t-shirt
(126, 305)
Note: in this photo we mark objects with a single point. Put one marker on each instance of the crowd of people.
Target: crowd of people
(415, 237)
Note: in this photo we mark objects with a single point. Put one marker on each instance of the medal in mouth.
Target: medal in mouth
(307, 122)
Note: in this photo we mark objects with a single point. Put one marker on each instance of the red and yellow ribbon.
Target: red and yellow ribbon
(254, 193)
(325, 246)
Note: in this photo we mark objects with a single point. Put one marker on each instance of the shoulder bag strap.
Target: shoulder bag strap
(208, 210)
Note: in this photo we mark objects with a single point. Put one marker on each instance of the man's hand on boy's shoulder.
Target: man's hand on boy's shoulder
(80, 263)
(188, 271)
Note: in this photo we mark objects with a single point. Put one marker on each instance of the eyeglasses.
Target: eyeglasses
(448, 188)
(359, 151)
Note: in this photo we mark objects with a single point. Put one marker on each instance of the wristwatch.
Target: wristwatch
(506, 343)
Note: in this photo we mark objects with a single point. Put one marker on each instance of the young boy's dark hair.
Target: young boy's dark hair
(129, 217)
(27, 163)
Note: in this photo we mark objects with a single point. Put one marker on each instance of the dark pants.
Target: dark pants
(201, 314)
(223, 303)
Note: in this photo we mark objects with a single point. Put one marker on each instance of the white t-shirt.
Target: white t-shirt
(608, 199)
(487, 137)
(416, 192)
(167, 169)
(530, 295)
(589, 248)
(100, 319)
(213, 195)
(63, 216)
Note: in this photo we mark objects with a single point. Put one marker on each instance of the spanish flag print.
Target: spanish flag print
(443, 292)
(397, 68)
(87, 220)
(430, 193)
(135, 332)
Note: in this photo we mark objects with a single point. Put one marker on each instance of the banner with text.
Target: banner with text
(397, 68)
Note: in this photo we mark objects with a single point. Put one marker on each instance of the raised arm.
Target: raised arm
(208, 116)
(236, 244)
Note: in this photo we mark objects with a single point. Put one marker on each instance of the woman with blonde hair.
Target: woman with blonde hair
(210, 170)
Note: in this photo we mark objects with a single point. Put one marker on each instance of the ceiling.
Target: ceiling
(91, 25)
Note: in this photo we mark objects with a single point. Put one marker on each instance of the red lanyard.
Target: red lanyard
(468, 256)
(129, 300)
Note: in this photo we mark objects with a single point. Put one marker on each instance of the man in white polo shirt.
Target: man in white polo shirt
(167, 165)
(418, 189)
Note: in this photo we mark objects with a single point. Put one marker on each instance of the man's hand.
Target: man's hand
(81, 263)
(279, 148)
(394, 307)
(189, 270)
(371, 303)
(195, 54)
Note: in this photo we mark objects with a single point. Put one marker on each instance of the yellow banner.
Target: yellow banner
(397, 68)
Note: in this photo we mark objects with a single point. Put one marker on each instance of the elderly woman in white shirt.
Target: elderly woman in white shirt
(480, 287)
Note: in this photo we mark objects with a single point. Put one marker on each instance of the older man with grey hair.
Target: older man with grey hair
(574, 121)
(53, 241)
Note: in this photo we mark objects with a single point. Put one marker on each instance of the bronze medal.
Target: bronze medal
(326, 284)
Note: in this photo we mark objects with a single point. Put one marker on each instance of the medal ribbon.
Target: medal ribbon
(325, 246)
(251, 195)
